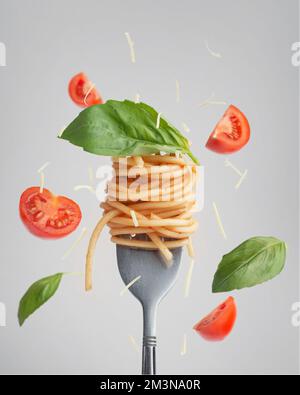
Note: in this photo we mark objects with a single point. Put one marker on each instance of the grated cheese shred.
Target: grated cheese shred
(42, 175)
(234, 168)
(42, 168)
(134, 343)
(134, 218)
(42, 182)
(213, 53)
(158, 120)
(188, 279)
(88, 187)
(243, 176)
(75, 244)
(184, 345)
(210, 101)
(219, 220)
(124, 290)
(131, 47)
(185, 127)
(87, 93)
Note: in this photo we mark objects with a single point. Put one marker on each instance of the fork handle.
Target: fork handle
(149, 339)
(149, 355)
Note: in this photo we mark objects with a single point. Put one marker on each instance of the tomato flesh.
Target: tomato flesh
(82, 92)
(231, 133)
(46, 215)
(219, 323)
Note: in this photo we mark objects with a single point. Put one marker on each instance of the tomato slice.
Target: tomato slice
(48, 216)
(219, 323)
(82, 92)
(231, 133)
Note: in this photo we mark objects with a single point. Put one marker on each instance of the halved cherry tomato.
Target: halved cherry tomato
(48, 216)
(82, 92)
(218, 324)
(231, 133)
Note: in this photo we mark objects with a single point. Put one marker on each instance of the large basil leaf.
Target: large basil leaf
(124, 128)
(38, 294)
(253, 262)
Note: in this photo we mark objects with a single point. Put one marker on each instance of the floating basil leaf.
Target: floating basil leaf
(38, 294)
(125, 128)
(253, 262)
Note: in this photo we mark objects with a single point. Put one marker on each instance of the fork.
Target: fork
(155, 282)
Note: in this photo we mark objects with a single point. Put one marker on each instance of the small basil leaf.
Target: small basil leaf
(38, 294)
(124, 128)
(253, 262)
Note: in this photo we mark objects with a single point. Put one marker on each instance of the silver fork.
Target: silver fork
(155, 282)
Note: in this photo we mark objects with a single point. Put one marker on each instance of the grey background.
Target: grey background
(49, 41)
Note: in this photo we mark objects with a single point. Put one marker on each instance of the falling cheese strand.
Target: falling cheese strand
(158, 120)
(134, 343)
(188, 279)
(124, 290)
(74, 245)
(87, 94)
(184, 345)
(131, 47)
(219, 220)
(215, 54)
(241, 179)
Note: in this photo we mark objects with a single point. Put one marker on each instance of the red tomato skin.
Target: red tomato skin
(78, 87)
(47, 232)
(220, 143)
(216, 329)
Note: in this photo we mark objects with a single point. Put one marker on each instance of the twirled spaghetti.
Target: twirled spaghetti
(150, 195)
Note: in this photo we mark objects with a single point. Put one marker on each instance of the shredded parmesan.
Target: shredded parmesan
(134, 218)
(124, 290)
(87, 93)
(131, 47)
(215, 54)
(74, 245)
(42, 182)
(134, 343)
(177, 91)
(42, 168)
(211, 101)
(185, 127)
(229, 164)
(243, 176)
(137, 98)
(184, 345)
(219, 220)
(190, 248)
(88, 187)
(158, 120)
(42, 175)
(188, 279)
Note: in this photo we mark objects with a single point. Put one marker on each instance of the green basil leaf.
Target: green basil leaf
(253, 262)
(124, 128)
(38, 294)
